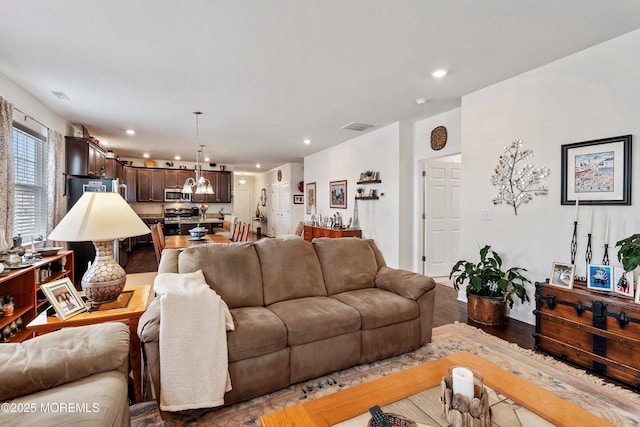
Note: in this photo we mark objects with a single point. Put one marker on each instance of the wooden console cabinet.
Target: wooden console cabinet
(595, 330)
(311, 232)
(24, 286)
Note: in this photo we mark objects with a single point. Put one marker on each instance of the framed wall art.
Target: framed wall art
(64, 298)
(597, 172)
(311, 198)
(298, 199)
(562, 275)
(338, 194)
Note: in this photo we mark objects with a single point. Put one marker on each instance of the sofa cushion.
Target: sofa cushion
(258, 331)
(404, 283)
(379, 308)
(60, 357)
(231, 269)
(347, 264)
(315, 318)
(290, 269)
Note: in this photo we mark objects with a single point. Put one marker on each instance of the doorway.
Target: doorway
(243, 205)
(442, 188)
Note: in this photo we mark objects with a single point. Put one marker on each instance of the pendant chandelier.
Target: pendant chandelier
(202, 185)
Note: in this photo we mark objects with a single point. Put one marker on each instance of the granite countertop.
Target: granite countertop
(192, 220)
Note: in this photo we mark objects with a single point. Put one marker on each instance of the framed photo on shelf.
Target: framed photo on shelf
(338, 194)
(600, 277)
(562, 275)
(64, 298)
(623, 282)
(298, 199)
(597, 172)
(311, 198)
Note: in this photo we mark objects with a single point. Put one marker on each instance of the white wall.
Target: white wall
(381, 219)
(422, 151)
(589, 95)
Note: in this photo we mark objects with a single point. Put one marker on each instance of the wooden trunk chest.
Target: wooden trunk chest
(595, 330)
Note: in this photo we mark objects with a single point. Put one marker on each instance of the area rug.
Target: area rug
(617, 405)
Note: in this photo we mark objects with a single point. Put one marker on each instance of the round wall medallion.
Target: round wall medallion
(439, 138)
(279, 175)
(301, 186)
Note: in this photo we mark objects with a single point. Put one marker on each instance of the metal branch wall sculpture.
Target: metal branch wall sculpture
(517, 186)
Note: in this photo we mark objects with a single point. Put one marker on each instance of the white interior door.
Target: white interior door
(274, 219)
(442, 216)
(243, 205)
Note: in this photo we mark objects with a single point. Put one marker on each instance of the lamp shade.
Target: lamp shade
(99, 217)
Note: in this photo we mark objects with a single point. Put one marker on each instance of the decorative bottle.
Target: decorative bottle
(7, 308)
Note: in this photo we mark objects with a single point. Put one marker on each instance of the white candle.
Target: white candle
(462, 381)
(577, 203)
(591, 222)
(606, 232)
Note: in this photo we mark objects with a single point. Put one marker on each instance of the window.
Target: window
(30, 188)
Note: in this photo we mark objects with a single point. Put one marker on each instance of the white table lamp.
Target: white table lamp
(100, 218)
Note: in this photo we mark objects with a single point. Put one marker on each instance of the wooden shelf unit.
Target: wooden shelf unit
(367, 197)
(24, 286)
(373, 181)
(311, 232)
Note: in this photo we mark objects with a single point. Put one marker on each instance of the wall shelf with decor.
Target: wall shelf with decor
(367, 197)
(374, 181)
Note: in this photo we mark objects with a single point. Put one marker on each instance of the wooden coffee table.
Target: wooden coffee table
(354, 401)
(140, 284)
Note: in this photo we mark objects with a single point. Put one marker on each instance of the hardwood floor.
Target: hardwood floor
(447, 309)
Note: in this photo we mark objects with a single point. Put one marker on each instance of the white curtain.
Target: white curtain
(6, 170)
(56, 202)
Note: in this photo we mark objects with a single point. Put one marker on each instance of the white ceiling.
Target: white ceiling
(269, 73)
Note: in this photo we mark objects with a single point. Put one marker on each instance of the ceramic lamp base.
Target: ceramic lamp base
(104, 280)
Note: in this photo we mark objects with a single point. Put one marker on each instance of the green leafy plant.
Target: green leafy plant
(629, 252)
(487, 278)
(360, 190)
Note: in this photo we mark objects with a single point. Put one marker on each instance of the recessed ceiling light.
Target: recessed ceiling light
(145, 155)
(177, 157)
(131, 132)
(439, 73)
(258, 165)
(307, 141)
(421, 101)
(103, 142)
(206, 159)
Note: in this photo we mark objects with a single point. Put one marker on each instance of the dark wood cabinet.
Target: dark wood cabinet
(175, 178)
(311, 232)
(223, 193)
(595, 330)
(131, 180)
(114, 169)
(84, 157)
(150, 185)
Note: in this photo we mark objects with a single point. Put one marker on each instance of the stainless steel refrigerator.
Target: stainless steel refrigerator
(85, 252)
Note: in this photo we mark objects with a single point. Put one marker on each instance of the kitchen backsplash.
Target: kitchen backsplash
(147, 208)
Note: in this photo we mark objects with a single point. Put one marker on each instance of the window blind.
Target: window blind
(30, 189)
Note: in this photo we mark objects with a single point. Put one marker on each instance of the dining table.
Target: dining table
(187, 241)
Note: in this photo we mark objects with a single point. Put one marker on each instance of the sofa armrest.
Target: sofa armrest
(149, 324)
(403, 282)
(61, 357)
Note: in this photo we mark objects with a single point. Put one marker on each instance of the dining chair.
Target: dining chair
(244, 234)
(161, 237)
(237, 228)
(156, 242)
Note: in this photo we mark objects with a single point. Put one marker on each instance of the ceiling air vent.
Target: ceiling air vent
(61, 95)
(356, 126)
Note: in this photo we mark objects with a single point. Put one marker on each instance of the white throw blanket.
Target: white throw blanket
(193, 342)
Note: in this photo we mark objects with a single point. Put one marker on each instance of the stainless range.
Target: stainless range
(173, 216)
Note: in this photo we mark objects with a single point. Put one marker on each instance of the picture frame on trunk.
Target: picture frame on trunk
(562, 275)
(600, 277)
(623, 282)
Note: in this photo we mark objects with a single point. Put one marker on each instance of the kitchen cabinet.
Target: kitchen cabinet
(131, 179)
(175, 178)
(223, 193)
(114, 169)
(24, 286)
(84, 157)
(150, 185)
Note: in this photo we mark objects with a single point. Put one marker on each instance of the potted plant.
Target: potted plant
(490, 287)
(360, 191)
(629, 252)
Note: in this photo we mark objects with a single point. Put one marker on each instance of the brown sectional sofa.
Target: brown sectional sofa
(302, 310)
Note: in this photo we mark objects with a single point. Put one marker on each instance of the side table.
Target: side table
(141, 285)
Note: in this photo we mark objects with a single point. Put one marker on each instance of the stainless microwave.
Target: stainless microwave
(176, 195)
